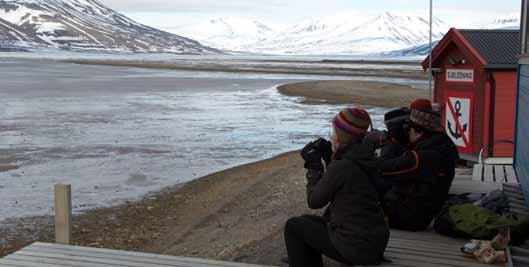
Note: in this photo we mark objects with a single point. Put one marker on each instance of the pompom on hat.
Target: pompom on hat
(421, 104)
(351, 125)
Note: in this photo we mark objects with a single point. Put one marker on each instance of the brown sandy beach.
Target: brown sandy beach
(236, 214)
(359, 92)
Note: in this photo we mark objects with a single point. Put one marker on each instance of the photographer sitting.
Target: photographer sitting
(392, 143)
(352, 230)
(423, 174)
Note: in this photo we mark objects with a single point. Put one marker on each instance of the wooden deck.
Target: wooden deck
(421, 249)
(54, 255)
(464, 183)
(495, 173)
(426, 249)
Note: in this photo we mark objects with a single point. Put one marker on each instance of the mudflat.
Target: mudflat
(358, 92)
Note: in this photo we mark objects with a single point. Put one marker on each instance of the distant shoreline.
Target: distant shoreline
(337, 71)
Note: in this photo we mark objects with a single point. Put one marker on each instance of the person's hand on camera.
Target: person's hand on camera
(314, 152)
(326, 150)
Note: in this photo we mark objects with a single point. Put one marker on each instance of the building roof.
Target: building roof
(500, 48)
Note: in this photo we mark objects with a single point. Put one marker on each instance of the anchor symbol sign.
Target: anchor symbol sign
(458, 119)
(456, 133)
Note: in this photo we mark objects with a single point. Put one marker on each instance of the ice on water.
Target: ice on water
(119, 133)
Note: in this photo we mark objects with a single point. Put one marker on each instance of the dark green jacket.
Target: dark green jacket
(356, 222)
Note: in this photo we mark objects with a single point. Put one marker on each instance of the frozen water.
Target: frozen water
(118, 133)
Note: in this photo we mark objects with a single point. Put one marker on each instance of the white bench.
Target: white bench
(502, 174)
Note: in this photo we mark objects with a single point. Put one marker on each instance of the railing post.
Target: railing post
(63, 214)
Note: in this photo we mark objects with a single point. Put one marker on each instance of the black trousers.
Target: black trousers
(307, 239)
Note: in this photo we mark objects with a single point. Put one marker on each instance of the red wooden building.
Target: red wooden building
(475, 73)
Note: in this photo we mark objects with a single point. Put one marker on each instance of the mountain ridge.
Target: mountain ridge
(332, 36)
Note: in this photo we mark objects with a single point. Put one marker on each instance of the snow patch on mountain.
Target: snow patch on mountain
(227, 33)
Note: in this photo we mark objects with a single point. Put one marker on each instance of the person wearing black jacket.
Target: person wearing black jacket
(392, 143)
(422, 175)
(352, 229)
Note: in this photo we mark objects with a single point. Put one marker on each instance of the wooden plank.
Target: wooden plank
(424, 259)
(513, 192)
(426, 240)
(63, 213)
(91, 259)
(15, 263)
(87, 261)
(520, 260)
(477, 173)
(488, 173)
(520, 251)
(464, 177)
(454, 255)
(64, 262)
(513, 187)
(511, 175)
(517, 201)
(438, 257)
(72, 249)
(519, 206)
(499, 174)
(459, 187)
(408, 263)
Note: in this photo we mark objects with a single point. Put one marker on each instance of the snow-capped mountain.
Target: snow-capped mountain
(345, 34)
(83, 25)
(227, 33)
(509, 21)
(386, 32)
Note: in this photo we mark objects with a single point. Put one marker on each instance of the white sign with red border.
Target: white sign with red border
(458, 119)
(460, 75)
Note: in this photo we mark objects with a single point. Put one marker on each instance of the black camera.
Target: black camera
(315, 151)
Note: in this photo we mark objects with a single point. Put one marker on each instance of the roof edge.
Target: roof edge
(436, 52)
(489, 30)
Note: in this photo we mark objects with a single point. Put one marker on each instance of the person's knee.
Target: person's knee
(291, 224)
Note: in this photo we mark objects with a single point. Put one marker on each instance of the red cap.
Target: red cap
(422, 104)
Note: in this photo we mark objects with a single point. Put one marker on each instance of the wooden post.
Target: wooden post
(63, 214)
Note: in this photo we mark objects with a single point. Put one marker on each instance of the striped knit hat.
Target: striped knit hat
(426, 120)
(351, 125)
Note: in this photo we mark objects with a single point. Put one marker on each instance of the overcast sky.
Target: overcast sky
(168, 14)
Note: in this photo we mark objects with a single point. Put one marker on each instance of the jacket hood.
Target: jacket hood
(360, 153)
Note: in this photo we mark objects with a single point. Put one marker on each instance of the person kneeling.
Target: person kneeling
(352, 229)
